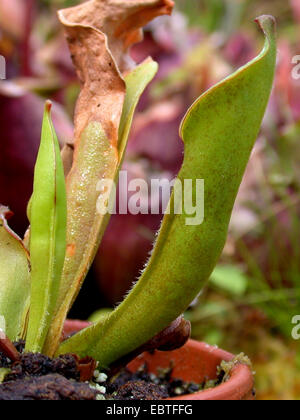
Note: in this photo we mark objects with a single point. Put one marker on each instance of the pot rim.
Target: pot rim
(240, 385)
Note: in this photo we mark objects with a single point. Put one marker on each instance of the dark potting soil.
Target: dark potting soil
(130, 386)
(49, 387)
(37, 377)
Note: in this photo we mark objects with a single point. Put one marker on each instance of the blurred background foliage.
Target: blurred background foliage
(255, 291)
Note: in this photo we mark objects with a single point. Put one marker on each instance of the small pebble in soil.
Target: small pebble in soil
(100, 377)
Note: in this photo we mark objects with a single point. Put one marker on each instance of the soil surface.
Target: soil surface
(147, 386)
(49, 387)
(37, 377)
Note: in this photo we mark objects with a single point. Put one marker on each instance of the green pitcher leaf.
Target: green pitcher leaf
(96, 159)
(14, 281)
(48, 216)
(219, 132)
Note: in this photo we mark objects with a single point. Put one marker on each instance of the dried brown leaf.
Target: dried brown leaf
(7, 348)
(86, 367)
(120, 20)
(100, 34)
(171, 338)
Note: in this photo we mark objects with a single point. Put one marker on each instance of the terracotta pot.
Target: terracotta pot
(195, 362)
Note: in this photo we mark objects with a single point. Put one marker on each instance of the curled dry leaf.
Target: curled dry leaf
(100, 34)
(7, 348)
(171, 338)
(120, 20)
(86, 367)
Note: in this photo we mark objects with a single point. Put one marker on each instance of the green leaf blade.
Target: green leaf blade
(219, 132)
(136, 82)
(14, 281)
(48, 216)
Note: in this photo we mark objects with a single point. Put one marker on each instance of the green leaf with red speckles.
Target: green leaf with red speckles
(48, 216)
(219, 132)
